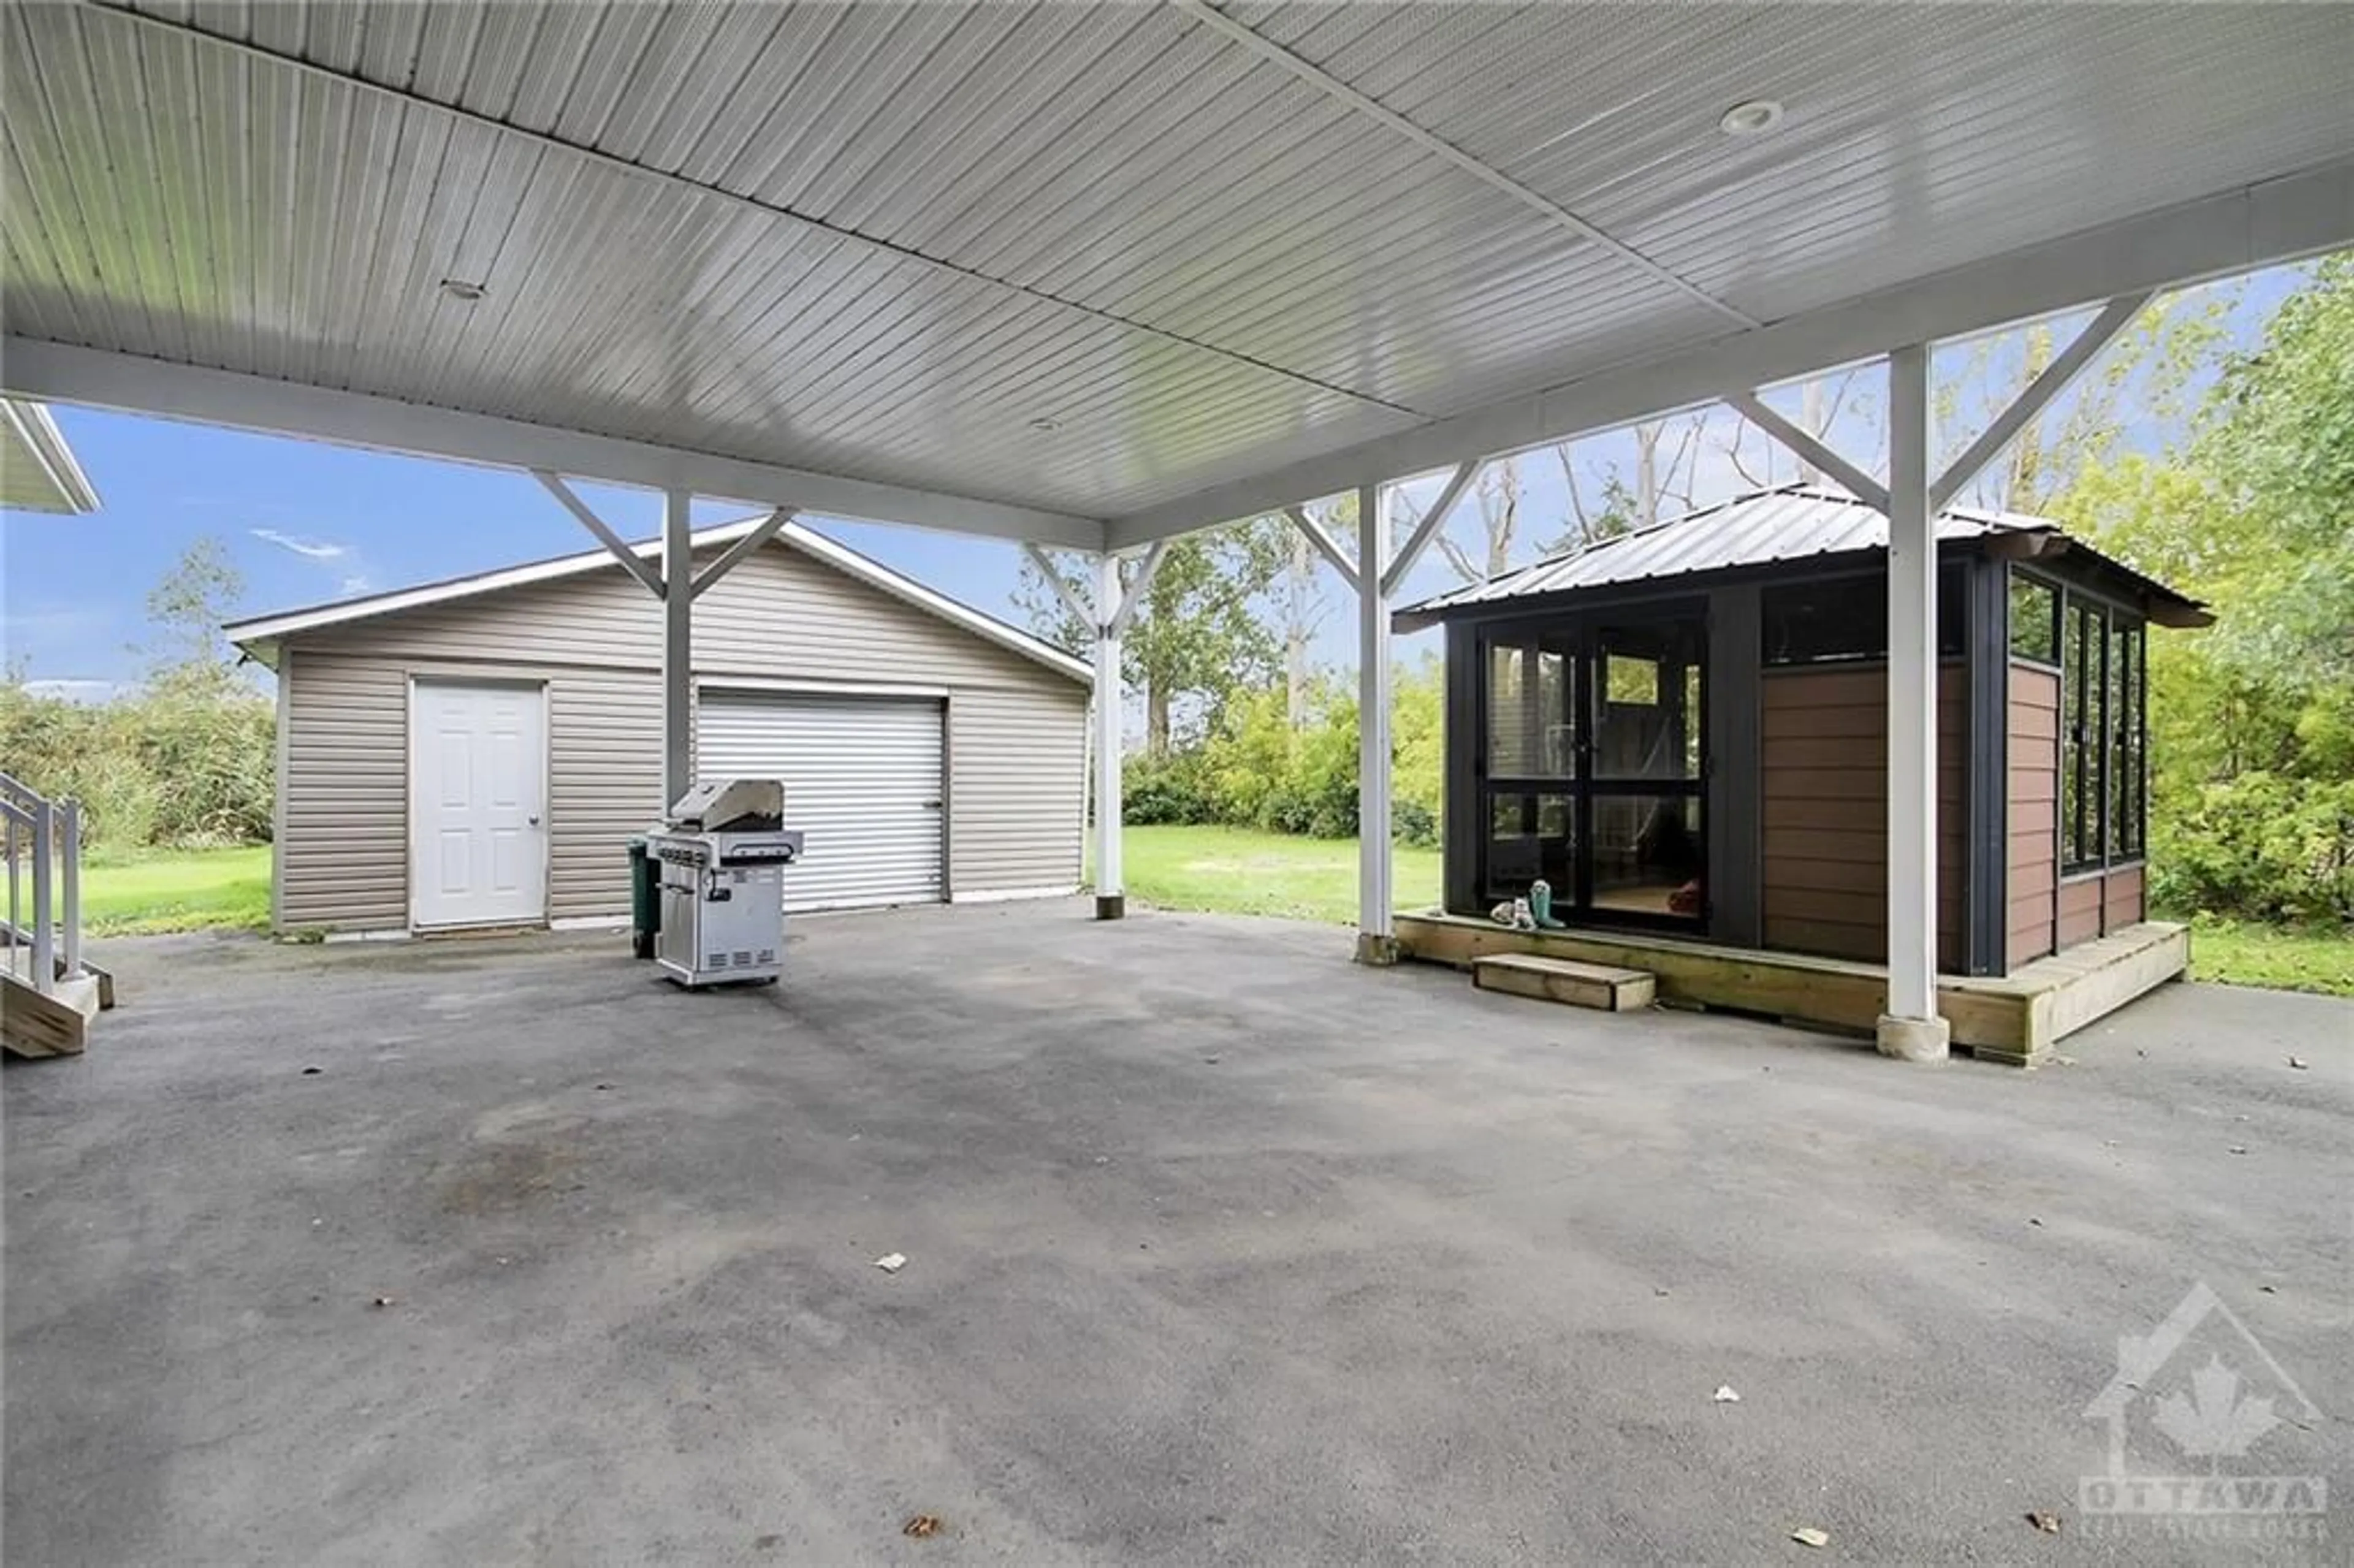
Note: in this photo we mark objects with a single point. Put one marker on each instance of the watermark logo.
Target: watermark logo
(2188, 1413)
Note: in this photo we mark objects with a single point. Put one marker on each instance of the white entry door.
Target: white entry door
(477, 803)
(864, 778)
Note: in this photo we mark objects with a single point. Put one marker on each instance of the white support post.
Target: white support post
(45, 961)
(733, 557)
(1071, 601)
(1910, 1028)
(1810, 449)
(70, 876)
(1428, 528)
(678, 646)
(1333, 554)
(1376, 934)
(2038, 395)
(633, 563)
(1111, 900)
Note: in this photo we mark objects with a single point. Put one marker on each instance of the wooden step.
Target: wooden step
(1563, 980)
(56, 1024)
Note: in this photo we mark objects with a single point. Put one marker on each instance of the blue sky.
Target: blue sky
(306, 521)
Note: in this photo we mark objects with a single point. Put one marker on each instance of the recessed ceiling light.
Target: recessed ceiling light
(1043, 424)
(459, 289)
(1751, 118)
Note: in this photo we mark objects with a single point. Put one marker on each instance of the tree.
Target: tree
(190, 605)
(1197, 638)
(2281, 454)
(2251, 724)
(1497, 491)
(1301, 601)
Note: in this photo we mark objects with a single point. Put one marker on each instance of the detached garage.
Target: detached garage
(477, 753)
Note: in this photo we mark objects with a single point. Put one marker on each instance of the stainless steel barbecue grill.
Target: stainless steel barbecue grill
(721, 860)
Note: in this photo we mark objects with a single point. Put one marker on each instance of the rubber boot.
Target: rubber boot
(1541, 907)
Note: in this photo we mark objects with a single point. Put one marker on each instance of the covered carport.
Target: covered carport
(1092, 279)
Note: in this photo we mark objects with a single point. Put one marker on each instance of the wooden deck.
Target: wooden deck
(2017, 1018)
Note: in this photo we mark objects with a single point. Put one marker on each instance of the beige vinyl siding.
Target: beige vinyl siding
(343, 858)
(1017, 729)
(604, 783)
(1017, 773)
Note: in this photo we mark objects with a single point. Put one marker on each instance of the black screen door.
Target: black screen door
(1592, 766)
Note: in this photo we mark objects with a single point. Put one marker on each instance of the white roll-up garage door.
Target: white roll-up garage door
(863, 778)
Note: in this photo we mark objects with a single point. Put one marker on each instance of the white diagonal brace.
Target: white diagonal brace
(2037, 395)
(1079, 608)
(1333, 554)
(762, 532)
(1333, 87)
(639, 568)
(1428, 529)
(1810, 447)
(1133, 594)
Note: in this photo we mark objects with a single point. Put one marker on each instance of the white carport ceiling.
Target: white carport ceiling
(848, 246)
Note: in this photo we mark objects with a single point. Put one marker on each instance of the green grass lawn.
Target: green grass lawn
(2235, 952)
(1231, 870)
(178, 890)
(1236, 871)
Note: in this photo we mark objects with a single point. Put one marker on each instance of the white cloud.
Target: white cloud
(355, 585)
(75, 691)
(309, 549)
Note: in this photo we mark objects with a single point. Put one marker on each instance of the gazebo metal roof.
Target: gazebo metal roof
(1764, 528)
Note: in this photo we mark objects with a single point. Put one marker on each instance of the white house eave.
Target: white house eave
(2237, 231)
(62, 373)
(32, 437)
(261, 635)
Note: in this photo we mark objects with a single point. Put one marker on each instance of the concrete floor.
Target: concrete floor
(1219, 1249)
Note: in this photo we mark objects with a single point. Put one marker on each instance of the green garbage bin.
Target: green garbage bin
(645, 901)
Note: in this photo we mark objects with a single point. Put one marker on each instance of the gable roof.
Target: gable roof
(259, 635)
(1764, 527)
(38, 471)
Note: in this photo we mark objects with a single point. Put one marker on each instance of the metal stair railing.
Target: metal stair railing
(48, 834)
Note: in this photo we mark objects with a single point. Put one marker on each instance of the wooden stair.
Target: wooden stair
(1565, 980)
(56, 1024)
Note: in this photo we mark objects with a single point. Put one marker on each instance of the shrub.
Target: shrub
(2264, 846)
(1175, 787)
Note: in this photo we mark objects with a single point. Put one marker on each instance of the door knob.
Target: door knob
(531, 822)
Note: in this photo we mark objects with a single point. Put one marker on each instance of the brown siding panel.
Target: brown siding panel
(2080, 910)
(1822, 785)
(2034, 790)
(2121, 899)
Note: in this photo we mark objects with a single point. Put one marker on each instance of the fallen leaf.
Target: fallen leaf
(922, 1526)
(892, 1262)
(1724, 1394)
(1807, 1535)
(2034, 1221)
(2064, 1061)
(2299, 1063)
(2267, 1289)
(312, 1072)
(2049, 1523)
(766, 1542)
(2237, 1149)
(1659, 1290)
(381, 1301)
